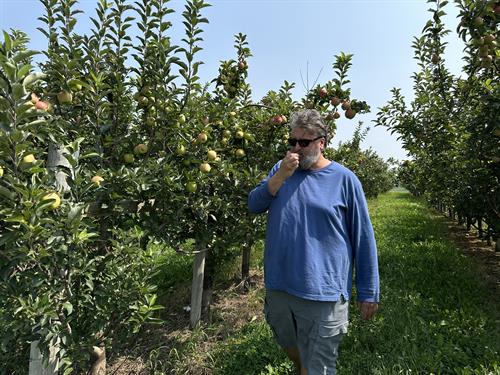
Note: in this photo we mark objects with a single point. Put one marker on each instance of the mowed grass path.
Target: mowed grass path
(439, 314)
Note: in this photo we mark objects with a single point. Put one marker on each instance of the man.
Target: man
(318, 230)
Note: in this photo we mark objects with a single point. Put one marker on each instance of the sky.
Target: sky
(296, 41)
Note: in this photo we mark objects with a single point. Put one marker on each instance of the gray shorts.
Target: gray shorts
(314, 327)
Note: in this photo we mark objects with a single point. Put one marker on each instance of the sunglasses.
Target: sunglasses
(302, 142)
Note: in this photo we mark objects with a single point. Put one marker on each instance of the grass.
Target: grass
(438, 315)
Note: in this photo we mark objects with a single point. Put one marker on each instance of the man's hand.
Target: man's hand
(288, 165)
(367, 309)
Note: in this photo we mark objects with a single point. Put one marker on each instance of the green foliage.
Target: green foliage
(102, 135)
(451, 128)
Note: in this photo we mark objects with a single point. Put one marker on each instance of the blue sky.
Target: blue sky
(290, 39)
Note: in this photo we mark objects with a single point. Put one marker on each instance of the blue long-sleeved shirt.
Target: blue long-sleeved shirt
(318, 229)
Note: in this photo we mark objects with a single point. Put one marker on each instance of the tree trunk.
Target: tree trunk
(56, 159)
(208, 281)
(98, 361)
(245, 262)
(37, 365)
(197, 287)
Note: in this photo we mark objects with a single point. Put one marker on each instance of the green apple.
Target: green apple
(191, 186)
(128, 158)
(140, 149)
(181, 150)
(65, 97)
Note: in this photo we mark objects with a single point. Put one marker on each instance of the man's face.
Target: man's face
(308, 155)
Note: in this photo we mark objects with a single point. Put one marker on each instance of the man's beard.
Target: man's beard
(307, 160)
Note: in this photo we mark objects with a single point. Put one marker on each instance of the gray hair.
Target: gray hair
(311, 121)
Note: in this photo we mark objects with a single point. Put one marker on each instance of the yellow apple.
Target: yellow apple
(240, 153)
(212, 155)
(29, 159)
(205, 167)
(96, 180)
(56, 200)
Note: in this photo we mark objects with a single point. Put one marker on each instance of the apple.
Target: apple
(202, 137)
(29, 159)
(128, 158)
(205, 167)
(323, 92)
(140, 149)
(211, 155)
(435, 58)
(346, 105)
(224, 141)
(142, 101)
(242, 65)
(278, 119)
(150, 121)
(1, 172)
(483, 51)
(478, 21)
(191, 186)
(336, 115)
(335, 101)
(329, 116)
(489, 38)
(350, 113)
(41, 105)
(182, 119)
(239, 134)
(232, 113)
(96, 180)
(65, 97)
(181, 150)
(56, 200)
(240, 153)
(206, 120)
(226, 133)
